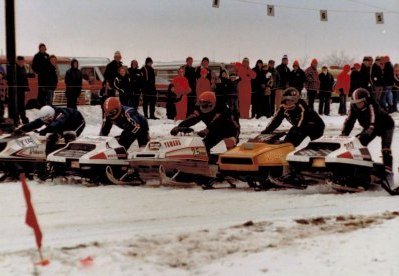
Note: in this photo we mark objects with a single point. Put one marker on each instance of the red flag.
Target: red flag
(31, 219)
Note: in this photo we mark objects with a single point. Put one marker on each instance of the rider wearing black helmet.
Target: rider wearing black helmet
(375, 122)
(304, 122)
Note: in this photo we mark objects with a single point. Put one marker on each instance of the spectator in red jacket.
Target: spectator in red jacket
(182, 88)
(244, 87)
(342, 88)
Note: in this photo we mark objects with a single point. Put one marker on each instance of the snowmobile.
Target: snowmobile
(257, 159)
(24, 152)
(340, 161)
(90, 157)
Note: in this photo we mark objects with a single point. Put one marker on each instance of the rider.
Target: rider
(60, 122)
(134, 125)
(220, 124)
(375, 122)
(304, 121)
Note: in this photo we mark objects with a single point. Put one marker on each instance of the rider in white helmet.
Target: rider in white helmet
(59, 122)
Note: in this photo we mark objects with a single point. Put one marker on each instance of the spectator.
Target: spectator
(182, 88)
(365, 73)
(136, 79)
(41, 66)
(171, 100)
(222, 90)
(297, 77)
(110, 73)
(204, 65)
(258, 85)
(3, 94)
(273, 80)
(284, 73)
(387, 100)
(149, 90)
(377, 79)
(123, 85)
(73, 82)
(203, 83)
(342, 88)
(189, 74)
(51, 80)
(395, 88)
(312, 83)
(244, 87)
(232, 99)
(355, 78)
(326, 87)
(22, 88)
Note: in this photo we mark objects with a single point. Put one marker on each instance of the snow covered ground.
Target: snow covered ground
(152, 230)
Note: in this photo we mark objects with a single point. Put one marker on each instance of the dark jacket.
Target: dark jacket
(148, 79)
(370, 117)
(326, 82)
(65, 119)
(297, 79)
(171, 99)
(189, 74)
(388, 74)
(356, 81)
(284, 74)
(376, 75)
(22, 79)
(222, 92)
(129, 120)
(299, 116)
(40, 65)
(217, 121)
(365, 76)
(50, 79)
(73, 81)
(258, 84)
(111, 71)
(136, 79)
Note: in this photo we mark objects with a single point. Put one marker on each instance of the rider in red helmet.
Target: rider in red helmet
(220, 124)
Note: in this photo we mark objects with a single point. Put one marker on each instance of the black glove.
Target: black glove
(203, 133)
(43, 132)
(18, 132)
(174, 131)
(265, 132)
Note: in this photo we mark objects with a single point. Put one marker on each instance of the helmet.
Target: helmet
(360, 95)
(291, 94)
(207, 101)
(112, 107)
(46, 114)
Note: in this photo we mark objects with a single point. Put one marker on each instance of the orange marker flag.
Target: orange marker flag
(31, 219)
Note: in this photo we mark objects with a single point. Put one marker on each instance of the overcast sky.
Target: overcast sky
(173, 29)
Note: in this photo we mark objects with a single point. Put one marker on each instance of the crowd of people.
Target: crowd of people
(195, 95)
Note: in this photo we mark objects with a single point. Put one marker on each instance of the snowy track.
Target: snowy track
(153, 230)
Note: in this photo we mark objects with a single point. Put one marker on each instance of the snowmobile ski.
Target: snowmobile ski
(129, 178)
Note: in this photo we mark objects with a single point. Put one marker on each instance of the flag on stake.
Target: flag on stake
(323, 15)
(215, 3)
(270, 10)
(379, 17)
(31, 219)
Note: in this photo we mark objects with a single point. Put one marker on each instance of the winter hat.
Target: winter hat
(205, 59)
(357, 65)
(314, 61)
(285, 57)
(346, 68)
(148, 60)
(296, 63)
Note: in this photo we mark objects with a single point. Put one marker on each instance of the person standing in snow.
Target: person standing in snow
(296, 77)
(182, 88)
(342, 88)
(326, 87)
(73, 82)
(149, 90)
(312, 83)
(136, 79)
(284, 76)
(189, 74)
(244, 87)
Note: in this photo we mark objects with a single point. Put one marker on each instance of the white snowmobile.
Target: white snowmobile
(23, 153)
(342, 162)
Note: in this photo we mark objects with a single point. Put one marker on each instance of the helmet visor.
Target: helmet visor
(205, 106)
(113, 113)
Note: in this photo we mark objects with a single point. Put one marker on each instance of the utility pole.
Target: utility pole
(11, 58)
